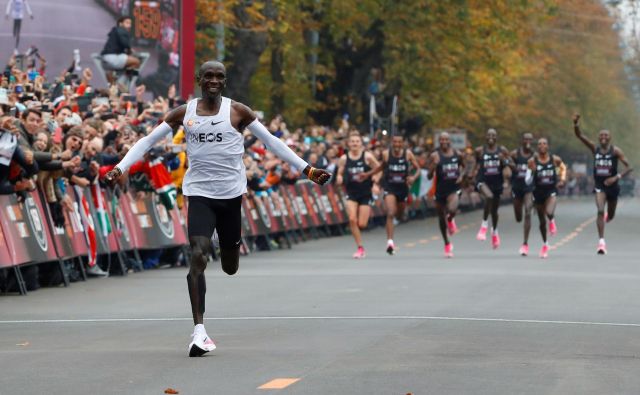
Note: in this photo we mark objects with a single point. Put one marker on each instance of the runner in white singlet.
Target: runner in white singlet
(215, 181)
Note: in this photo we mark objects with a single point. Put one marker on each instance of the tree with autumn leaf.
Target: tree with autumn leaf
(472, 64)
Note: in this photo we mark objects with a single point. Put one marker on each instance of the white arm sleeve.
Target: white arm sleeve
(143, 145)
(276, 145)
(528, 178)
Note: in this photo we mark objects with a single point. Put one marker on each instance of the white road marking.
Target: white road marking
(337, 318)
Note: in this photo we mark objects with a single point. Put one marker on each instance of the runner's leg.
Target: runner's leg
(542, 216)
(229, 232)
(487, 195)
(550, 207)
(612, 204)
(364, 212)
(390, 202)
(201, 223)
(352, 212)
(441, 209)
(518, 208)
(601, 199)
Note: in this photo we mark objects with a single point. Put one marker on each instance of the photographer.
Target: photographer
(117, 53)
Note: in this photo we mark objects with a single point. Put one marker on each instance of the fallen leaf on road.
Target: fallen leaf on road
(171, 391)
(25, 344)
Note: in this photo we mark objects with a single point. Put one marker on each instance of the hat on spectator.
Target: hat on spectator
(77, 131)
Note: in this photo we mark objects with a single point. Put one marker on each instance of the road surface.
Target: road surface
(318, 322)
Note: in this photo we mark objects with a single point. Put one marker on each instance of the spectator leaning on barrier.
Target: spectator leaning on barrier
(13, 160)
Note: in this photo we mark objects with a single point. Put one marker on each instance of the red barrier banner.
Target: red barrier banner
(25, 232)
(291, 216)
(102, 221)
(279, 210)
(339, 209)
(118, 206)
(271, 224)
(250, 218)
(325, 210)
(74, 228)
(61, 241)
(272, 207)
(156, 227)
(5, 256)
(299, 207)
(129, 208)
(302, 191)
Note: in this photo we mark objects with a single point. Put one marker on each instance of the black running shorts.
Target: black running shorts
(401, 192)
(360, 195)
(540, 195)
(223, 215)
(612, 191)
(442, 197)
(518, 193)
(495, 187)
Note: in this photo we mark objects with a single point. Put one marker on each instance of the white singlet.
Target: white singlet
(214, 150)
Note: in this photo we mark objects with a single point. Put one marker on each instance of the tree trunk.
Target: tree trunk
(246, 51)
(277, 66)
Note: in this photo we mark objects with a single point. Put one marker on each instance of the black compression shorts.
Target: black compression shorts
(518, 193)
(495, 187)
(612, 191)
(540, 195)
(401, 192)
(224, 215)
(441, 197)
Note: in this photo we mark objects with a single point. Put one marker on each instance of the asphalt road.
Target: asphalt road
(485, 322)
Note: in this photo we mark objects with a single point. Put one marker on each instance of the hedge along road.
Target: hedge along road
(313, 321)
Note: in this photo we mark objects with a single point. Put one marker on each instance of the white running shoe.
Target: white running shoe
(201, 344)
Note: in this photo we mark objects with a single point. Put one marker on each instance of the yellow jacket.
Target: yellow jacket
(178, 174)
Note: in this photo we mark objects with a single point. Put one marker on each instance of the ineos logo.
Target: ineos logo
(36, 223)
(205, 137)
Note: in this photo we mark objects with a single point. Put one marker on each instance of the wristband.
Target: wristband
(311, 173)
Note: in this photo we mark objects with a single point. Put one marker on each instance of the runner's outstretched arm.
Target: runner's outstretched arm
(580, 136)
(171, 122)
(250, 121)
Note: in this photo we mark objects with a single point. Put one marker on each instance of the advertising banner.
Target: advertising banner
(25, 230)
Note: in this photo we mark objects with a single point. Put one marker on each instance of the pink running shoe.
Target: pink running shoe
(359, 254)
(602, 248)
(448, 250)
(544, 252)
(495, 241)
(606, 216)
(524, 250)
(452, 227)
(482, 233)
(553, 229)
